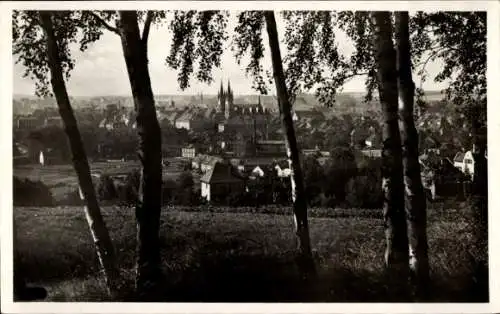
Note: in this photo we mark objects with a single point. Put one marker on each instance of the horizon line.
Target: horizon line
(198, 94)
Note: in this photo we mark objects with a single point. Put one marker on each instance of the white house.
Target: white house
(188, 152)
(283, 173)
(41, 159)
(220, 181)
(464, 162)
(258, 172)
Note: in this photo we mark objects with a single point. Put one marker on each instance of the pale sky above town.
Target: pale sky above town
(101, 70)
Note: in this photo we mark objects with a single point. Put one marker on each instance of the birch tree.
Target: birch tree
(41, 42)
(207, 26)
(396, 253)
(415, 200)
(459, 40)
(299, 196)
(248, 40)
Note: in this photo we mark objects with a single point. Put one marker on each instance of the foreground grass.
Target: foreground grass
(239, 257)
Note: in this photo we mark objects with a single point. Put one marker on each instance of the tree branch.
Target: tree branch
(147, 27)
(431, 56)
(105, 24)
(354, 74)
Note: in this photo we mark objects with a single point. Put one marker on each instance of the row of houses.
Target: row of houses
(221, 178)
(31, 122)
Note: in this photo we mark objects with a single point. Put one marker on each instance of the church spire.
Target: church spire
(221, 91)
(230, 96)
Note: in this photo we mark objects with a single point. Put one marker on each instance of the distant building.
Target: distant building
(373, 153)
(270, 147)
(257, 172)
(307, 115)
(283, 169)
(54, 121)
(464, 162)
(249, 164)
(192, 119)
(227, 108)
(28, 123)
(41, 159)
(220, 181)
(188, 152)
(204, 162)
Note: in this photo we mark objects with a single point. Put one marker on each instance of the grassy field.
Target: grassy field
(238, 256)
(61, 179)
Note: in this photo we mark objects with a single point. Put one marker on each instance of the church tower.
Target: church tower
(229, 101)
(230, 92)
(221, 97)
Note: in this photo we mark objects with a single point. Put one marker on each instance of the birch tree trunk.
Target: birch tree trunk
(396, 253)
(298, 191)
(95, 221)
(148, 208)
(415, 201)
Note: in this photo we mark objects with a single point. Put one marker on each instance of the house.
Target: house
(372, 153)
(283, 169)
(204, 162)
(307, 114)
(220, 181)
(188, 152)
(49, 156)
(441, 178)
(191, 119)
(184, 121)
(172, 116)
(28, 123)
(257, 172)
(250, 164)
(465, 162)
(270, 148)
(311, 152)
(54, 121)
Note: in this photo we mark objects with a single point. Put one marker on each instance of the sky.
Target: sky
(101, 70)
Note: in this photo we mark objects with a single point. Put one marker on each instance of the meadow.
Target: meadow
(62, 179)
(226, 254)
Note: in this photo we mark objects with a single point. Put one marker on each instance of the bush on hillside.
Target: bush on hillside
(339, 169)
(127, 193)
(72, 199)
(365, 189)
(31, 193)
(314, 178)
(169, 189)
(106, 190)
(184, 194)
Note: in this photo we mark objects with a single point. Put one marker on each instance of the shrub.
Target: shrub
(339, 169)
(168, 191)
(72, 199)
(106, 190)
(184, 192)
(127, 192)
(364, 191)
(235, 199)
(31, 193)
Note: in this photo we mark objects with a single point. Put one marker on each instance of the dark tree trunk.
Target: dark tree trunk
(479, 199)
(148, 208)
(415, 201)
(298, 191)
(396, 253)
(96, 223)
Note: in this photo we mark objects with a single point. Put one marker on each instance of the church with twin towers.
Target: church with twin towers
(227, 106)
